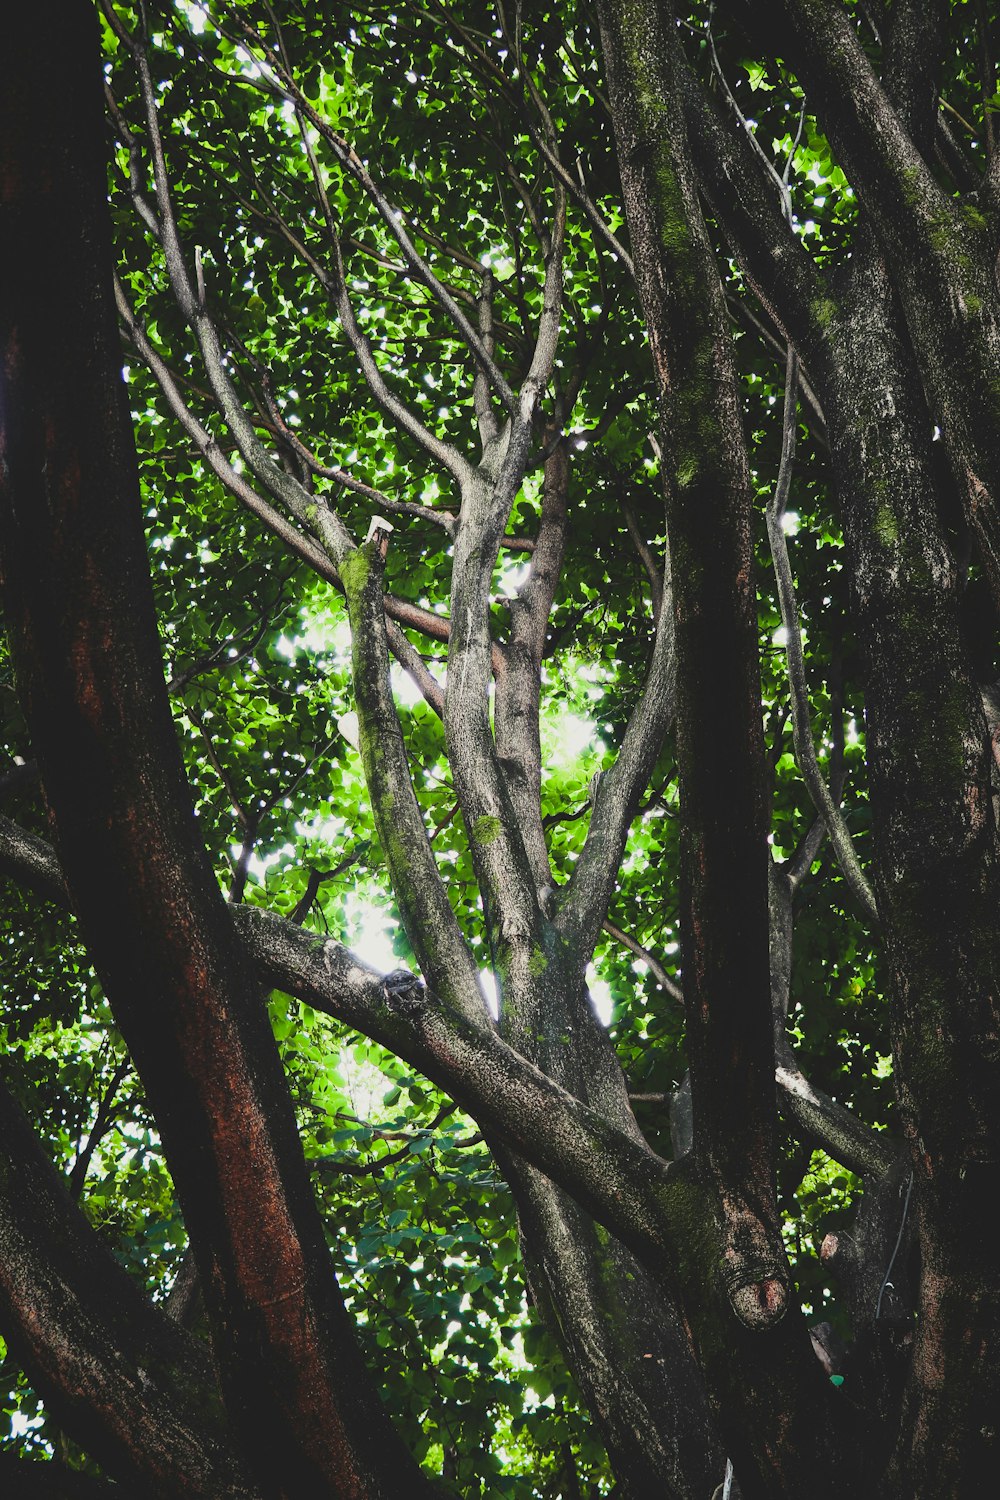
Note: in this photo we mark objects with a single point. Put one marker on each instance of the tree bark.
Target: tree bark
(738, 1307)
(936, 870)
(79, 608)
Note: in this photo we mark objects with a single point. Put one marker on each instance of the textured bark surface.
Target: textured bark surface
(936, 873)
(79, 610)
(789, 1445)
(665, 1283)
(621, 1330)
(719, 736)
(115, 1369)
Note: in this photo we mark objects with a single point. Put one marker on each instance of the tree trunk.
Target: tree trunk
(79, 608)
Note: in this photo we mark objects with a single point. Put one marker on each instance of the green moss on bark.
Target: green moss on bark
(485, 830)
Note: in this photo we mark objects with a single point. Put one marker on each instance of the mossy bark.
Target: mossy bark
(936, 871)
(303, 1409)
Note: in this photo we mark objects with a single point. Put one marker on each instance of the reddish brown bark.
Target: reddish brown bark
(80, 614)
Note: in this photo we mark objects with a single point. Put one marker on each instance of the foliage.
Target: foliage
(477, 128)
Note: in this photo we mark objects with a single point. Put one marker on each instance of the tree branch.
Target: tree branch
(411, 615)
(285, 83)
(426, 912)
(519, 680)
(719, 734)
(118, 1375)
(102, 1124)
(32, 863)
(793, 290)
(657, 970)
(805, 749)
(457, 1051)
(502, 863)
(83, 635)
(652, 570)
(941, 249)
(583, 904)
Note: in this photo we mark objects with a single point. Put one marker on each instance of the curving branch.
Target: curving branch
(877, 150)
(842, 1135)
(284, 83)
(32, 863)
(335, 284)
(805, 749)
(502, 862)
(430, 923)
(501, 1090)
(341, 477)
(657, 970)
(651, 568)
(208, 447)
(115, 1370)
(311, 512)
(411, 615)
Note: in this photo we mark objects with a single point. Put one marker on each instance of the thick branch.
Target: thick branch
(83, 635)
(121, 1379)
(506, 1094)
(876, 149)
(749, 207)
(502, 863)
(941, 249)
(519, 681)
(430, 923)
(32, 863)
(720, 741)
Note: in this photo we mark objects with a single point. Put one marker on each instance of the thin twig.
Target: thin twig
(102, 1123)
(652, 570)
(657, 970)
(805, 749)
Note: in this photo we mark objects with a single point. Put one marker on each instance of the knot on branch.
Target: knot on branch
(755, 1279)
(759, 1304)
(753, 1268)
(404, 992)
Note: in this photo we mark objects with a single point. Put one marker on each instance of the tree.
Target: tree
(599, 307)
